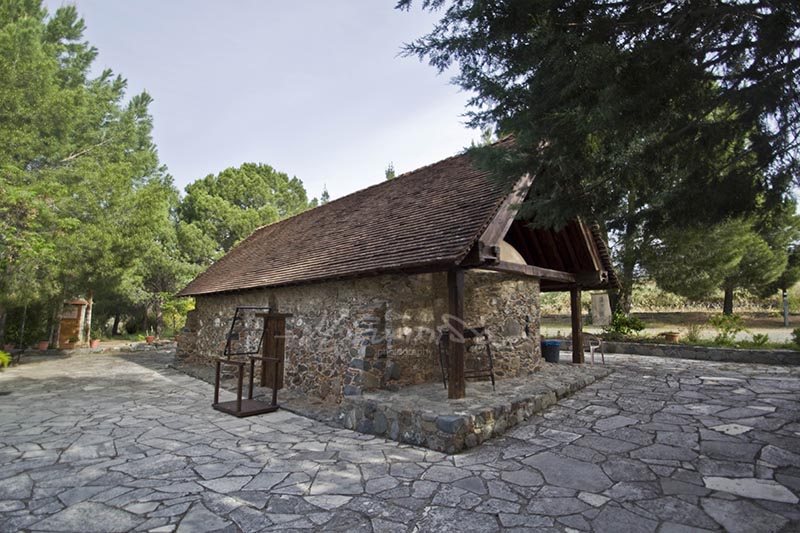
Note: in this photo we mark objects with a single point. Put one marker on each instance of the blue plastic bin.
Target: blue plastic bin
(550, 351)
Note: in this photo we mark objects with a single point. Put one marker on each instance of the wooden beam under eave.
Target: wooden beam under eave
(549, 242)
(532, 271)
(523, 244)
(566, 240)
(591, 247)
(499, 225)
(577, 325)
(456, 382)
(540, 257)
(585, 262)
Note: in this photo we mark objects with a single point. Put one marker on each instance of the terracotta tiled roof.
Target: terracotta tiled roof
(427, 218)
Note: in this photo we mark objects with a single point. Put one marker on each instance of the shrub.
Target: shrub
(796, 336)
(693, 333)
(622, 324)
(727, 326)
(5, 359)
(760, 339)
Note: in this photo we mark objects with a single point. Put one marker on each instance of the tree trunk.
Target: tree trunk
(51, 325)
(89, 319)
(22, 327)
(58, 307)
(629, 258)
(785, 295)
(115, 327)
(727, 304)
(626, 292)
(159, 317)
(2, 324)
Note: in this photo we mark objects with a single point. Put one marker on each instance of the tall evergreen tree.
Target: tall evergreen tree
(640, 115)
(222, 209)
(750, 254)
(76, 162)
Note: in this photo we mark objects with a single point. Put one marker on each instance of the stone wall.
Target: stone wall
(378, 332)
(705, 353)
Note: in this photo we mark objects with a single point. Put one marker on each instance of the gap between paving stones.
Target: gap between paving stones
(113, 443)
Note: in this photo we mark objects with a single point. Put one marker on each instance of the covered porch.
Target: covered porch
(574, 258)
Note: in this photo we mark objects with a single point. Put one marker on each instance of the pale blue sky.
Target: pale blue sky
(314, 88)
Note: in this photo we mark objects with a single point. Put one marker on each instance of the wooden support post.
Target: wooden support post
(251, 378)
(216, 384)
(577, 326)
(267, 348)
(456, 384)
(239, 382)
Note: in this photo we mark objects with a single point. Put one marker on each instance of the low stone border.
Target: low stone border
(422, 415)
(681, 351)
(132, 347)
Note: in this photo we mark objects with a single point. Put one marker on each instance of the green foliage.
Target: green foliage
(35, 324)
(760, 339)
(225, 208)
(85, 206)
(175, 311)
(5, 359)
(727, 326)
(796, 336)
(693, 332)
(710, 137)
(622, 325)
(647, 295)
(575, 83)
(695, 262)
(750, 254)
(78, 168)
(389, 172)
(789, 277)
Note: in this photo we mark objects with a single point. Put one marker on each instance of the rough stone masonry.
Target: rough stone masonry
(348, 336)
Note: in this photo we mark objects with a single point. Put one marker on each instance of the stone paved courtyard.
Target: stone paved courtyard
(116, 443)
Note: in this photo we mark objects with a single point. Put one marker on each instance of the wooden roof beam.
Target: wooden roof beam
(597, 262)
(532, 271)
(523, 244)
(498, 227)
(566, 240)
(539, 255)
(550, 244)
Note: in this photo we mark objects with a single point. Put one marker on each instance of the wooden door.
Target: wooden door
(274, 345)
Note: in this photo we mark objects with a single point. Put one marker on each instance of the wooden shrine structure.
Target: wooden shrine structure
(268, 350)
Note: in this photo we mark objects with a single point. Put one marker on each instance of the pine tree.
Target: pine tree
(389, 172)
(643, 116)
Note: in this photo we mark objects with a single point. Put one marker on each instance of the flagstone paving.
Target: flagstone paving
(122, 443)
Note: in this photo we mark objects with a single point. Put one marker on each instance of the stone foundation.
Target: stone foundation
(351, 336)
(423, 416)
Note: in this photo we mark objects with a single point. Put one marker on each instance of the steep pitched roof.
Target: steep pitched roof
(427, 218)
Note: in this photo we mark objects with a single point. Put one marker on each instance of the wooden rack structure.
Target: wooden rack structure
(269, 351)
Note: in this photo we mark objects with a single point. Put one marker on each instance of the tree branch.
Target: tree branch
(85, 151)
